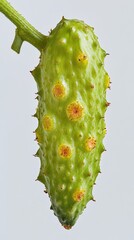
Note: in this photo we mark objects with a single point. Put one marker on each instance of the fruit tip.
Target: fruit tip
(67, 227)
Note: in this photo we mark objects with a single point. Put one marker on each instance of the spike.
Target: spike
(40, 92)
(92, 86)
(35, 115)
(102, 117)
(93, 200)
(107, 104)
(50, 31)
(37, 98)
(37, 153)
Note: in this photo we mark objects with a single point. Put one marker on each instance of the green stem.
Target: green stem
(25, 31)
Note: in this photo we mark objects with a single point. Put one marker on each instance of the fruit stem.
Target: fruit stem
(25, 31)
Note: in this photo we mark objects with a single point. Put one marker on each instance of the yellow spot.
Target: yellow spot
(47, 123)
(64, 151)
(90, 143)
(58, 91)
(107, 81)
(78, 195)
(82, 58)
(74, 111)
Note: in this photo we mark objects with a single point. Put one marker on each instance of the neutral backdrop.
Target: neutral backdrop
(24, 208)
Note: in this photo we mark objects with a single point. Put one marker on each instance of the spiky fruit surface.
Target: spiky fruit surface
(72, 87)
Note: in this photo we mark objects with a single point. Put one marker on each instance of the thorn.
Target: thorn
(37, 98)
(93, 199)
(92, 86)
(50, 31)
(110, 85)
(107, 104)
(63, 18)
(39, 92)
(94, 183)
(34, 115)
(51, 208)
(103, 150)
(101, 64)
(107, 54)
(45, 191)
(37, 153)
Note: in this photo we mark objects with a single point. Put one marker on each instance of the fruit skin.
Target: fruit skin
(72, 84)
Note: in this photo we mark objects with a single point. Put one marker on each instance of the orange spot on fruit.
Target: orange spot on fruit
(90, 143)
(47, 123)
(75, 111)
(58, 91)
(78, 195)
(64, 151)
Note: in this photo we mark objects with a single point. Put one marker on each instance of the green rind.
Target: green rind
(84, 82)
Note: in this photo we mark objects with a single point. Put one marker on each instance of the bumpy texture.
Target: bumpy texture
(72, 87)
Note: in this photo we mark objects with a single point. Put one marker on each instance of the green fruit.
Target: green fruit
(72, 84)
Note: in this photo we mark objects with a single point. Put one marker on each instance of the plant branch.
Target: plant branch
(25, 31)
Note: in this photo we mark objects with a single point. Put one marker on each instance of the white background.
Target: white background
(24, 208)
